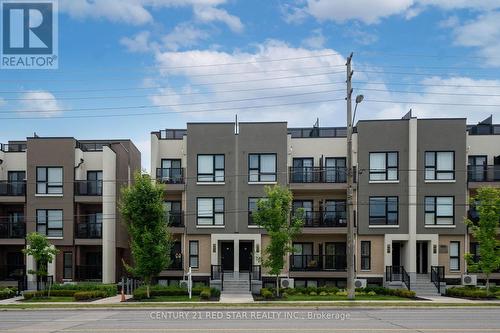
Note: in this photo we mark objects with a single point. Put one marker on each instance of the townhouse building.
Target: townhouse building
(413, 180)
(68, 190)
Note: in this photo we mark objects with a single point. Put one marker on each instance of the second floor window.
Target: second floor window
(439, 210)
(210, 211)
(384, 166)
(252, 207)
(49, 180)
(262, 167)
(211, 168)
(49, 222)
(94, 182)
(384, 210)
(439, 165)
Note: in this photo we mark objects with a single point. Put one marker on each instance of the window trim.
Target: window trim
(259, 173)
(213, 213)
(457, 257)
(386, 211)
(435, 210)
(47, 222)
(197, 255)
(67, 267)
(46, 182)
(436, 171)
(198, 174)
(387, 168)
(369, 255)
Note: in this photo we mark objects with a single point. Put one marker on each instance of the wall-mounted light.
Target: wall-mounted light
(257, 248)
(214, 248)
(388, 248)
(434, 249)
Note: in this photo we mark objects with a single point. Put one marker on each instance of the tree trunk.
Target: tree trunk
(487, 285)
(277, 285)
(147, 290)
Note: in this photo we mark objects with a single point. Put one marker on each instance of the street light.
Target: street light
(359, 99)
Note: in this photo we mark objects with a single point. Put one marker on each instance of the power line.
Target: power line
(432, 103)
(419, 74)
(429, 84)
(430, 93)
(172, 112)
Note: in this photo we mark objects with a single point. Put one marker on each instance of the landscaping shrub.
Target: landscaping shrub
(88, 295)
(205, 294)
(7, 293)
(467, 292)
(109, 289)
(266, 293)
(388, 292)
(215, 292)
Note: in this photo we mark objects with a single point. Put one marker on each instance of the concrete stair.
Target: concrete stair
(423, 286)
(236, 287)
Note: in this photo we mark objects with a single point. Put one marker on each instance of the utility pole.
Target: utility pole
(350, 211)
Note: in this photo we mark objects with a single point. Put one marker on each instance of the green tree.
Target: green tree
(487, 203)
(43, 253)
(150, 239)
(274, 215)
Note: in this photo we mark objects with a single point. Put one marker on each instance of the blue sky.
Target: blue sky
(158, 57)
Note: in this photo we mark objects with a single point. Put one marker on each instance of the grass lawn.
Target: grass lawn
(344, 298)
(183, 298)
(49, 299)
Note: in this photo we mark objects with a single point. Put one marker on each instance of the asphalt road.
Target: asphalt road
(454, 320)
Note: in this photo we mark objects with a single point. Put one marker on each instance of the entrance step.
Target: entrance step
(423, 286)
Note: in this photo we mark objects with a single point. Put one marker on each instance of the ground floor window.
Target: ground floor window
(68, 265)
(193, 254)
(454, 256)
(365, 255)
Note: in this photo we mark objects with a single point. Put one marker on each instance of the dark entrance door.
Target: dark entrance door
(227, 256)
(396, 254)
(422, 258)
(246, 256)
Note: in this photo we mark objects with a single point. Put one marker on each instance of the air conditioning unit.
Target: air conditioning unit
(286, 283)
(469, 280)
(360, 283)
(183, 284)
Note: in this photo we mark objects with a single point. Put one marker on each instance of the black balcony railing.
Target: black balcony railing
(175, 219)
(437, 276)
(12, 188)
(88, 230)
(176, 262)
(12, 272)
(397, 273)
(170, 175)
(483, 173)
(318, 175)
(88, 272)
(13, 147)
(10, 228)
(325, 219)
(302, 262)
(88, 187)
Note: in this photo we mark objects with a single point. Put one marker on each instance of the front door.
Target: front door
(422, 258)
(396, 254)
(246, 256)
(227, 256)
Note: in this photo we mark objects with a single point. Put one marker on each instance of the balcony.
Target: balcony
(13, 147)
(483, 173)
(88, 272)
(170, 175)
(176, 263)
(11, 229)
(12, 189)
(316, 263)
(88, 230)
(88, 187)
(325, 219)
(175, 219)
(318, 175)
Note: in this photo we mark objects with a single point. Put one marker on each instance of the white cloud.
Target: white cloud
(316, 41)
(482, 33)
(39, 102)
(183, 35)
(2, 102)
(138, 12)
(212, 14)
(360, 36)
(372, 11)
(139, 43)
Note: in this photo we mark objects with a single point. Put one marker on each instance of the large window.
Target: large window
(383, 210)
(210, 211)
(366, 253)
(262, 167)
(94, 185)
(384, 166)
(211, 168)
(171, 171)
(68, 265)
(439, 210)
(49, 222)
(335, 170)
(335, 256)
(252, 207)
(439, 165)
(454, 256)
(194, 260)
(49, 180)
